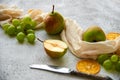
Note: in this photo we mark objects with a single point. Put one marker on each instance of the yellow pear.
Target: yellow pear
(55, 48)
(54, 22)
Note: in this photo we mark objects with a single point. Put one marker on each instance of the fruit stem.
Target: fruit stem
(40, 40)
(53, 9)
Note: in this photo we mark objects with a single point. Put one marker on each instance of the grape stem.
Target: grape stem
(40, 40)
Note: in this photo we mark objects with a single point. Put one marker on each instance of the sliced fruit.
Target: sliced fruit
(55, 48)
(88, 66)
(112, 35)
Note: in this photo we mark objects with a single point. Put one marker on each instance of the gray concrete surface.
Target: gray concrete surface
(15, 58)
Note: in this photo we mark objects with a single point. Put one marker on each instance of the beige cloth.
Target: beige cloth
(72, 35)
(7, 13)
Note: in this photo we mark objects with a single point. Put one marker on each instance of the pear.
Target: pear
(54, 22)
(55, 48)
(94, 34)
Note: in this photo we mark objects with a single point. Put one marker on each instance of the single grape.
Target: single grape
(15, 22)
(114, 58)
(11, 30)
(20, 37)
(19, 29)
(31, 37)
(33, 24)
(22, 24)
(101, 58)
(27, 26)
(107, 64)
(30, 31)
(27, 19)
(5, 26)
(117, 66)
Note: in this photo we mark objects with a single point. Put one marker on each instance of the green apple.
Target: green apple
(55, 48)
(94, 34)
(54, 22)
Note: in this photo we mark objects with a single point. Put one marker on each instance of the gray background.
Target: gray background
(15, 58)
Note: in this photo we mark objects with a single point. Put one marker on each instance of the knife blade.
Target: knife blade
(63, 70)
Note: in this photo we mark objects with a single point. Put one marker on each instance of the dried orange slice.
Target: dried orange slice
(88, 66)
(112, 35)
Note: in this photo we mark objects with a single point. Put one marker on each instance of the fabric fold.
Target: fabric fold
(72, 35)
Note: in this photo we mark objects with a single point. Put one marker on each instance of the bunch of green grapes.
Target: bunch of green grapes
(109, 62)
(21, 28)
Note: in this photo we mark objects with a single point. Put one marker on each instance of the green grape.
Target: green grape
(117, 66)
(20, 37)
(31, 37)
(11, 30)
(30, 31)
(5, 26)
(27, 26)
(114, 58)
(27, 19)
(107, 64)
(22, 24)
(33, 24)
(102, 58)
(15, 22)
(19, 29)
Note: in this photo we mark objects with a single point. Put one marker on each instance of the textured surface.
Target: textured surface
(15, 58)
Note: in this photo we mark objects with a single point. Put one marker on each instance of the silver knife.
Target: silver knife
(63, 70)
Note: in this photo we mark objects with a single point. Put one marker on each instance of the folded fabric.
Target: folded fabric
(7, 13)
(72, 35)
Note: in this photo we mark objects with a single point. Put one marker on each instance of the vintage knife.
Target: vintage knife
(63, 70)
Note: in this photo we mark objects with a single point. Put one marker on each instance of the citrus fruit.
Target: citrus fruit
(88, 66)
(112, 35)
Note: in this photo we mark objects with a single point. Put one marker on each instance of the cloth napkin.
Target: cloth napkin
(72, 35)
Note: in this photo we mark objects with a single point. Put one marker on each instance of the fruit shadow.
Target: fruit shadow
(57, 36)
(58, 62)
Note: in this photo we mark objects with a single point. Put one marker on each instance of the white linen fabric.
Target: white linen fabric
(72, 35)
(15, 58)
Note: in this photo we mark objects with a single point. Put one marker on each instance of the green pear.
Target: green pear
(54, 22)
(54, 48)
(94, 34)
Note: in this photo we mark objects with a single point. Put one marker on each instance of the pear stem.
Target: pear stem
(40, 40)
(53, 9)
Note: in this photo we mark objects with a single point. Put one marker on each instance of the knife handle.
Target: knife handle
(89, 76)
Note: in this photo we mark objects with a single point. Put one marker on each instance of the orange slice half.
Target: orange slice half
(88, 66)
(112, 35)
